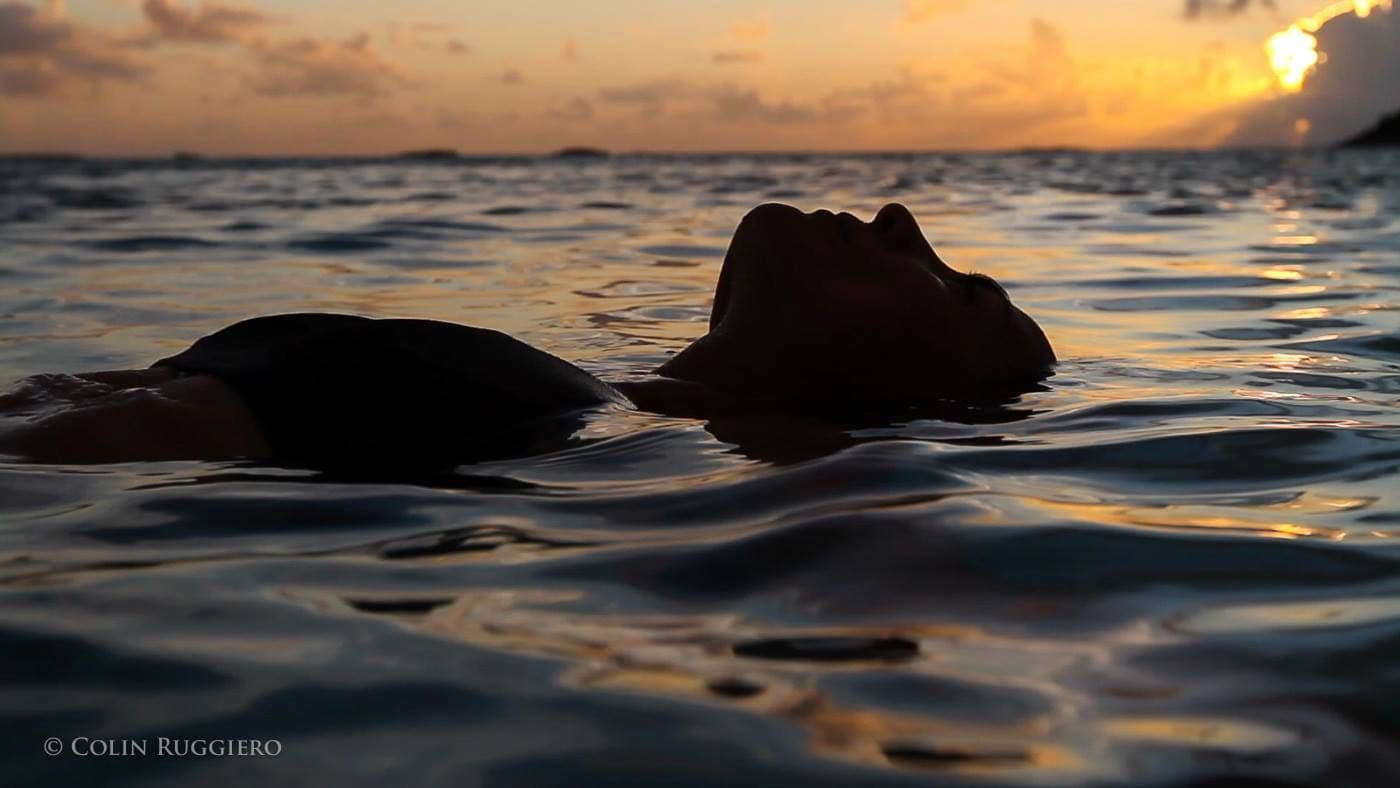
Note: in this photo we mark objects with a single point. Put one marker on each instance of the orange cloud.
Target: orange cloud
(210, 23)
(748, 33)
(1014, 97)
(578, 109)
(920, 11)
(1196, 9)
(651, 97)
(424, 36)
(727, 56)
(751, 30)
(42, 54)
(725, 103)
(321, 67)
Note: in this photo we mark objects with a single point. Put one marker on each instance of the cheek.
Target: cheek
(922, 307)
(877, 310)
(944, 327)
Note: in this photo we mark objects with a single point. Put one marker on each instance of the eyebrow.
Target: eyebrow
(982, 280)
(987, 281)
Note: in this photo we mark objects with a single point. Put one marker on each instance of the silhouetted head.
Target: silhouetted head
(823, 307)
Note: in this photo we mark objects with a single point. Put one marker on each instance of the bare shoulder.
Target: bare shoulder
(126, 415)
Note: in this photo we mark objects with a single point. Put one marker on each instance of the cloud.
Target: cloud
(1214, 9)
(1018, 95)
(424, 36)
(748, 33)
(322, 67)
(741, 105)
(27, 81)
(512, 76)
(906, 97)
(451, 120)
(650, 97)
(919, 11)
(24, 29)
(577, 110)
(751, 30)
(725, 103)
(1049, 57)
(1045, 89)
(730, 56)
(42, 54)
(1358, 82)
(209, 23)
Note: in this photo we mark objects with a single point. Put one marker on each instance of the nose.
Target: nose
(899, 231)
(894, 219)
(849, 224)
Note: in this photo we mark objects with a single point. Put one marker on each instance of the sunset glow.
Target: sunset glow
(1293, 52)
(149, 77)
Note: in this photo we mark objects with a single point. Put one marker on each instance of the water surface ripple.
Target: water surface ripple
(1175, 564)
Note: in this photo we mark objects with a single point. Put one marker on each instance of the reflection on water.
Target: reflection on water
(1174, 563)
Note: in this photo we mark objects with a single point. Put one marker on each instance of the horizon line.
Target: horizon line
(589, 152)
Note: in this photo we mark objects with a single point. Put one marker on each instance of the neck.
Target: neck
(674, 397)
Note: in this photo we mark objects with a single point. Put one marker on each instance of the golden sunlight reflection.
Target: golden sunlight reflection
(1293, 52)
(1263, 617)
(1188, 517)
(699, 658)
(1307, 313)
(1203, 732)
(1310, 502)
(1291, 362)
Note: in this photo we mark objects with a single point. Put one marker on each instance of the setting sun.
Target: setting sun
(1293, 53)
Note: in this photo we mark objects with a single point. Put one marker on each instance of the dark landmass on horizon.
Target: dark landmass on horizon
(429, 154)
(581, 152)
(1386, 133)
(47, 156)
(450, 154)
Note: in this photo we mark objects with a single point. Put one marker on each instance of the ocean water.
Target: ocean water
(1176, 564)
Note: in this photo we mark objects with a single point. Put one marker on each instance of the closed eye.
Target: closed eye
(976, 282)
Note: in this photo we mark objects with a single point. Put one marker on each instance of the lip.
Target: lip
(849, 225)
(845, 224)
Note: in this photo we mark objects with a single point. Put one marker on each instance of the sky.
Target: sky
(149, 77)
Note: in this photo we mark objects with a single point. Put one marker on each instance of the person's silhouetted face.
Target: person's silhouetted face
(824, 307)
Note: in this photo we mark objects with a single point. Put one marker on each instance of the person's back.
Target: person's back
(332, 389)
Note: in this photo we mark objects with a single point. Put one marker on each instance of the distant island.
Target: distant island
(430, 154)
(581, 152)
(1386, 133)
(43, 156)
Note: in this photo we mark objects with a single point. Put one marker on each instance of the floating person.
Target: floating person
(813, 312)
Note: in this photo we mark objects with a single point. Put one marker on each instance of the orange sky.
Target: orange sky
(313, 76)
